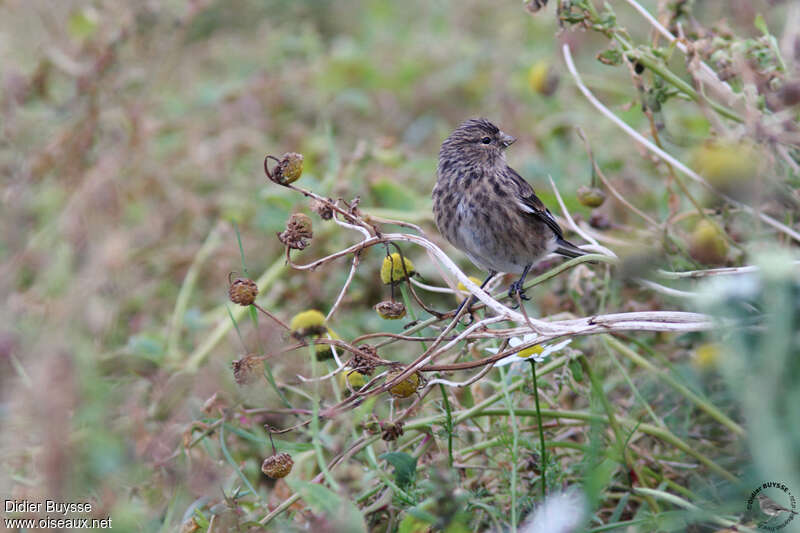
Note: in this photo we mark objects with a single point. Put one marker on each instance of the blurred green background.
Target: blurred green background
(134, 132)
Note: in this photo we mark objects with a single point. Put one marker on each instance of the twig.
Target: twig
(575, 228)
(356, 259)
(664, 155)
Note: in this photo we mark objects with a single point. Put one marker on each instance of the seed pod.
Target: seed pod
(364, 364)
(243, 291)
(277, 465)
(392, 431)
(591, 196)
(289, 168)
(396, 269)
(405, 388)
(321, 208)
(298, 228)
(247, 369)
(391, 310)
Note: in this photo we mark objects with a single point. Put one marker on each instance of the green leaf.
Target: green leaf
(761, 24)
(576, 369)
(343, 515)
(412, 524)
(82, 24)
(405, 466)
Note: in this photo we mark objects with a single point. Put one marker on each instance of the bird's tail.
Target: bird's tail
(567, 249)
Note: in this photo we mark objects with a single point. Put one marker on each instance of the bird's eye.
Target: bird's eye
(486, 140)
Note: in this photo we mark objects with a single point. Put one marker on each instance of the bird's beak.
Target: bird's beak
(506, 140)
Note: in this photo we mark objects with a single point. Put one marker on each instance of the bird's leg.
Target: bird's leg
(516, 287)
(469, 300)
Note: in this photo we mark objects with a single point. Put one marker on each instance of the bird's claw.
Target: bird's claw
(516, 289)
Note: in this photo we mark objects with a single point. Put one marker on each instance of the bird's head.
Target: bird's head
(477, 141)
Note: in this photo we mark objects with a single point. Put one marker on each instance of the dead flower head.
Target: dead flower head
(288, 170)
(247, 369)
(298, 229)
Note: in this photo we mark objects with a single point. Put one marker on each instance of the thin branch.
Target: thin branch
(664, 155)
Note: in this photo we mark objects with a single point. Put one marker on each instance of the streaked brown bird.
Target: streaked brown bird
(771, 507)
(487, 210)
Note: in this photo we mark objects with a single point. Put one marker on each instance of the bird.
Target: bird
(771, 507)
(487, 210)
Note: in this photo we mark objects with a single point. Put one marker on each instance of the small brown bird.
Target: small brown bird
(487, 210)
(771, 507)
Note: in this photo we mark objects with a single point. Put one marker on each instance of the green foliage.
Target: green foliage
(405, 467)
(138, 130)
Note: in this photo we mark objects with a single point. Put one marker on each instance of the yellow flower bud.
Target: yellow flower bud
(393, 271)
(706, 356)
(542, 79)
(405, 388)
(350, 377)
(707, 243)
(307, 323)
(473, 279)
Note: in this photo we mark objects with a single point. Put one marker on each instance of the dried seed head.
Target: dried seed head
(190, 526)
(391, 310)
(247, 369)
(323, 209)
(289, 168)
(392, 431)
(243, 291)
(396, 269)
(214, 403)
(591, 196)
(277, 465)
(599, 220)
(298, 229)
(535, 5)
(405, 388)
(364, 364)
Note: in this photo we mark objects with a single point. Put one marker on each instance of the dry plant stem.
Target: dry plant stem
(273, 317)
(727, 271)
(461, 384)
(356, 259)
(657, 140)
(665, 156)
(575, 228)
(708, 74)
(675, 500)
(614, 192)
(225, 324)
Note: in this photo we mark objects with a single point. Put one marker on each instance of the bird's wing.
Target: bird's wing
(529, 203)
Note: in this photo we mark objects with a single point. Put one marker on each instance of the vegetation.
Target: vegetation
(194, 340)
